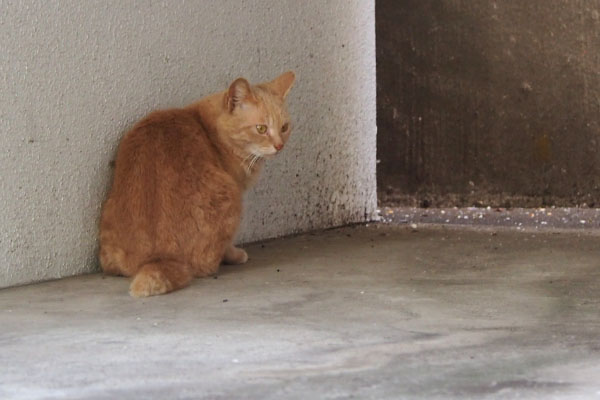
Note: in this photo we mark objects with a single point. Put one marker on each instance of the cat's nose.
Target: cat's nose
(278, 146)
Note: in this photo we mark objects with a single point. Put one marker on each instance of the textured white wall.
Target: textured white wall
(75, 75)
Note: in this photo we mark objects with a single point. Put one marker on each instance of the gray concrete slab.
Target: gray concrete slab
(377, 312)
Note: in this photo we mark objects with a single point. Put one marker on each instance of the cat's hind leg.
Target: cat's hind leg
(112, 260)
(160, 277)
(235, 255)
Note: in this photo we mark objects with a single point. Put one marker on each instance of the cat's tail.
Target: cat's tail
(160, 277)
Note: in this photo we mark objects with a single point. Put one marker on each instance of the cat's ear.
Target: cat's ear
(282, 84)
(239, 91)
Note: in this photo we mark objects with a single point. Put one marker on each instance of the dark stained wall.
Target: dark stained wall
(484, 101)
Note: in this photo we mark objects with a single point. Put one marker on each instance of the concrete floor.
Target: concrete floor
(377, 312)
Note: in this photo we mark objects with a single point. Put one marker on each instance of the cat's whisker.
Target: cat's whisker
(243, 163)
(252, 155)
(254, 160)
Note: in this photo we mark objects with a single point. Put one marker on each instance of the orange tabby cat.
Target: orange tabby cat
(176, 199)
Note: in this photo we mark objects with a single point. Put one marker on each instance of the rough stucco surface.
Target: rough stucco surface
(76, 75)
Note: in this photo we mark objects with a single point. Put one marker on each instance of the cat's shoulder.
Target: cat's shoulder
(165, 124)
(168, 117)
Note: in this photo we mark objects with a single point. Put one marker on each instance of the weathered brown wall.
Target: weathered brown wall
(481, 98)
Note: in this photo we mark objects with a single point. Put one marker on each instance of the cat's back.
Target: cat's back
(166, 140)
(166, 131)
(168, 188)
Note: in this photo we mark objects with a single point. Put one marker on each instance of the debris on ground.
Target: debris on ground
(519, 218)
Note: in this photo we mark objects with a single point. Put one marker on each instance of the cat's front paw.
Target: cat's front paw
(235, 255)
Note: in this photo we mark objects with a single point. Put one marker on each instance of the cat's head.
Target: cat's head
(256, 121)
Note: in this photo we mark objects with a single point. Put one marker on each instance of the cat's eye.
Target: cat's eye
(262, 129)
(284, 128)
